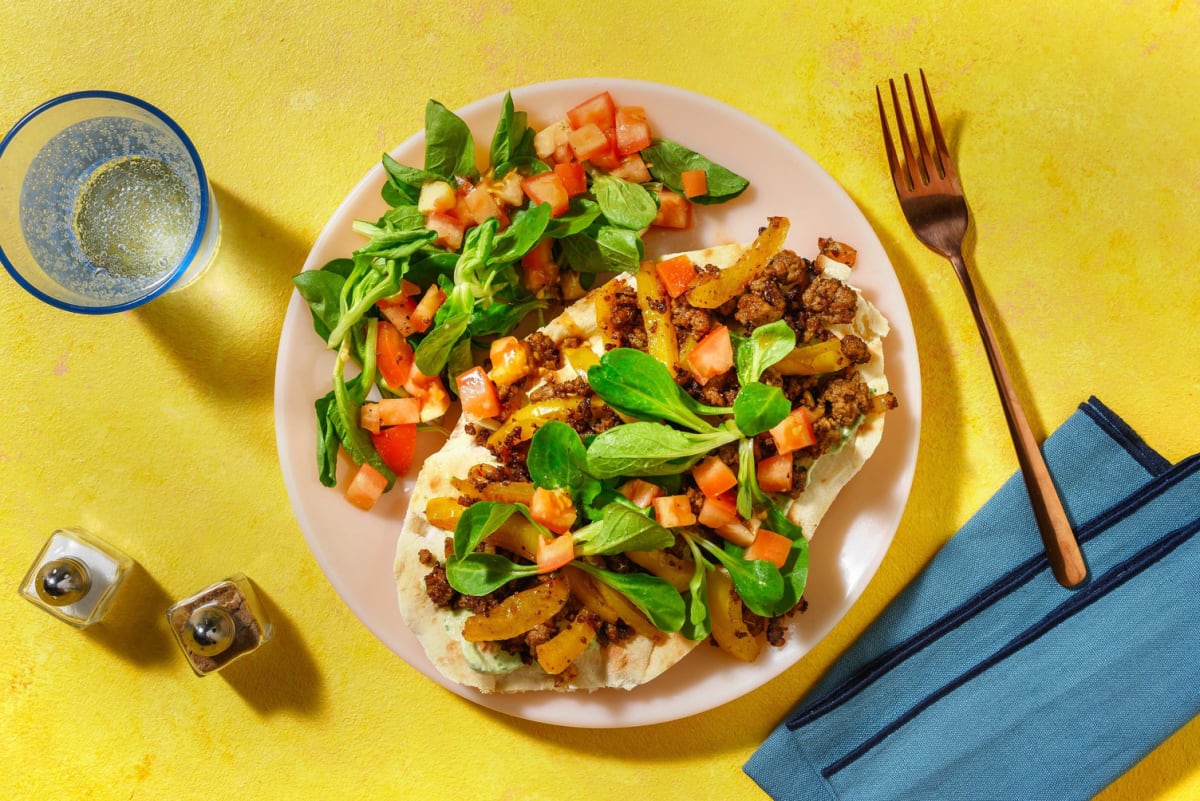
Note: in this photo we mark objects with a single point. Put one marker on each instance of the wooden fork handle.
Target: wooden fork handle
(1058, 538)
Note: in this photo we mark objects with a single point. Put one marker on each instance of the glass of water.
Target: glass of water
(104, 204)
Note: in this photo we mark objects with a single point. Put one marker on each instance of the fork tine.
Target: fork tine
(945, 163)
(928, 167)
(914, 175)
(899, 177)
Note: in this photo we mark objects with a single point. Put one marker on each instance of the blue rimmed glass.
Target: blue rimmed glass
(52, 162)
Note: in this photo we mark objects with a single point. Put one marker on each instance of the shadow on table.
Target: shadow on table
(282, 675)
(135, 627)
(224, 328)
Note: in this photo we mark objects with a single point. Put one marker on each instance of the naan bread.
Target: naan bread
(636, 660)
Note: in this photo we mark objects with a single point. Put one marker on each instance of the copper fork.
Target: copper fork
(932, 200)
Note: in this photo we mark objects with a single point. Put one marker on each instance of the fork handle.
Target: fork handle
(1058, 538)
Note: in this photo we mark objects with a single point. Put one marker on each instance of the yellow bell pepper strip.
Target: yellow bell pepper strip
(728, 284)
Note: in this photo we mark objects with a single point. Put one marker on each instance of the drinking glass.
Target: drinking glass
(104, 203)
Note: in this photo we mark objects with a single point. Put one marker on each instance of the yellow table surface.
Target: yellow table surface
(1077, 130)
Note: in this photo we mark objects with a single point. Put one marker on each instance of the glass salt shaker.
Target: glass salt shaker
(76, 577)
(219, 624)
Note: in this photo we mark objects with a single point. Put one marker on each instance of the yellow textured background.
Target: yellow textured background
(1077, 130)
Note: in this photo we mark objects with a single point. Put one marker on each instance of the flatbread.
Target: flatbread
(636, 660)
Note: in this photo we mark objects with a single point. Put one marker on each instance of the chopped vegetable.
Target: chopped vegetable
(641, 493)
(695, 183)
(518, 613)
(713, 477)
(794, 432)
(366, 486)
(718, 511)
(656, 317)
(422, 316)
(728, 627)
(775, 473)
(478, 394)
(712, 356)
(770, 546)
(674, 210)
(728, 284)
(674, 511)
(553, 508)
(676, 274)
(553, 554)
(560, 651)
(396, 445)
(510, 360)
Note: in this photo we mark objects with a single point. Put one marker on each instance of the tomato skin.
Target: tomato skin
(365, 487)
(770, 546)
(775, 473)
(673, 511)
(713, 477)
(422, 316)
(393, 355)
(598, 109)
(574, 177)
(674, 210)
(553, 554)
(794, 432)
(396, 445)
(553, 508)
(478, 393)
(449, 229)
(547, 187)
(538, 268)
(632, 168)
(718, 511)
(712, 356)
(640, 492)
(677, 274)
(632, 130)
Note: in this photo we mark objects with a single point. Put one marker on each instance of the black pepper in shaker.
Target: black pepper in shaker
(219, 624)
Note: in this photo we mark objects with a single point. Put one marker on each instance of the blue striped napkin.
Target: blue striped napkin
(985, 679)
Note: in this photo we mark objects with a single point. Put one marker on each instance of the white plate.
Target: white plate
(356, 549)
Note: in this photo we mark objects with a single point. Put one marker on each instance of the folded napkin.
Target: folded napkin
(985, 679)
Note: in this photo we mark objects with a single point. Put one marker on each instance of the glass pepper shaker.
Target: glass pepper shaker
(219, 624)
(76, 577)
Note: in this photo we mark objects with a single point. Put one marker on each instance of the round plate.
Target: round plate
(356, 549)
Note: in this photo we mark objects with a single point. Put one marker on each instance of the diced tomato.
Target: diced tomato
(631, 168)
(479, 206)
(587, 141)
(695, 183)
(478, 393)
(436, 196)
(366, 486)
(640, 492)
(408, 288)
(775, 473)
(435, 402)
(769, 546)
(449, 229)
(712, 355)
(794, 432)
(393, 355)
(398, 310)
(547, 187)
(418, 383)
(510, 360)
(719, 511)
(606, 158)
(713, 477)
(677, 274)
(396, 445)
(422, 316)
(553, 508)
(399, 411)
(375, 415)
(574, 177)
(736, 532)
(674, 210)
(673, 511)
(599, 110)
(551, 144)
(632, 130)
(553, 554)
(538, 268)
